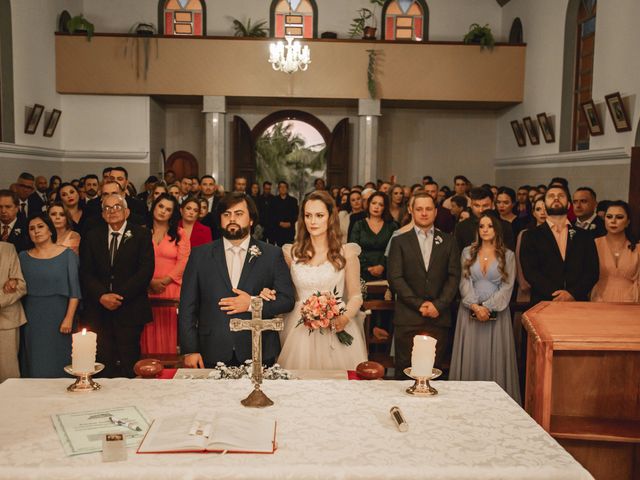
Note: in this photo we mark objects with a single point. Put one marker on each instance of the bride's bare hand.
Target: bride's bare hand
(267, 294)
(341, 322)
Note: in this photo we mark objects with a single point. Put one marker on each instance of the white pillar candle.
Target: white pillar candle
(423, 356)
(83, 351)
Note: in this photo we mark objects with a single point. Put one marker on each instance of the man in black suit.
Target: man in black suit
(28, 204)
(264, 204)
(218, 283)
(117, 263)
(39, 197)
(93, 208)
(136, 206)
(584, 206)
(465, 231)
(424, 272)
(558, 260)
(13, 228)
(284, 213)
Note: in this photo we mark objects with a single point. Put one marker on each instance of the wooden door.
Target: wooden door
(338, 155)
(244, 151)
(183, 164)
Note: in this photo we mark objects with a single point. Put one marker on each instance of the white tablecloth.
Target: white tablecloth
(326, 429)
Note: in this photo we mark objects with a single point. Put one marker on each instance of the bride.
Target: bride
(319, 262)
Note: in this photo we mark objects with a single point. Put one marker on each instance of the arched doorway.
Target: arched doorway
(183, 164)
(336, 151)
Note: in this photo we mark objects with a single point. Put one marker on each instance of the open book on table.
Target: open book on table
(232, 433)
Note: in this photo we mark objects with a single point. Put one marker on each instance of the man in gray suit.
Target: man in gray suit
(424, 272)
(12, 288)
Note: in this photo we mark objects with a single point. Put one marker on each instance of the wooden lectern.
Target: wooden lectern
(583, 382)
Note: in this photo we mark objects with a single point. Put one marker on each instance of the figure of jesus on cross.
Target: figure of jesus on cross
(257, 398)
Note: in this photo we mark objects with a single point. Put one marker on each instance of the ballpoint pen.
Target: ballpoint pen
(123, 423)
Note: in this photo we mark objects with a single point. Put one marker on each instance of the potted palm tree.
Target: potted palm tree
(79, 24)
(258, 29)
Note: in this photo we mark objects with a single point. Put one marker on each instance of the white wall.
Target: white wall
(450, 19)
(93, 131)
(185, 131)
(616, 68)
(440, 143)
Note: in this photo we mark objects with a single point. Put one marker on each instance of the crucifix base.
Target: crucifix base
(257, 399)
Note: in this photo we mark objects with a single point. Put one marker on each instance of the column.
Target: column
(369, 113)
(214, 109)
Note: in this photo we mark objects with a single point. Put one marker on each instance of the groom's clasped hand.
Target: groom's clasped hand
(237, 304)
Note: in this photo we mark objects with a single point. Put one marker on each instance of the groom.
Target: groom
(218, 283)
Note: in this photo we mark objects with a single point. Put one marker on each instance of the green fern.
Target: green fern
(256, 30)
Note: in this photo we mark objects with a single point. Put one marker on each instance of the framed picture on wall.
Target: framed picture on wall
(532, 131)
(33, 119)
(593, 119)
(51, 125)
(546, 128)
(618, 113)
(518, 132)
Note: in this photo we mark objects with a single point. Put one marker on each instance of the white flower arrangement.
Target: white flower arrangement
(438, 240)
(572, 232)
(254, 251)
(222, 372)
(127, 235)
(17, 231)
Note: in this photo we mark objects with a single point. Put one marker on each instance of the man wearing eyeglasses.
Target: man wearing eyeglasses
(117, 265)
(28, 204)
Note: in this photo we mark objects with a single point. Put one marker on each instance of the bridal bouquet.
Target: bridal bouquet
(319, 312)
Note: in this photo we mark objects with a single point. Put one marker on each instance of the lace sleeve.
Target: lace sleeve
(353, 294)
(286, 251)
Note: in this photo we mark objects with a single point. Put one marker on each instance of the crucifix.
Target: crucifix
(257, 325)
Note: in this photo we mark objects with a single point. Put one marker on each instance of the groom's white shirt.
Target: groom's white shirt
(228, 254)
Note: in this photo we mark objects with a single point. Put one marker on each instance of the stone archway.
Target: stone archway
(183, 164)
(336, 141)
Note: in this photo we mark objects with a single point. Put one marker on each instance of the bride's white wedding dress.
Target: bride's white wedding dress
(316, 351)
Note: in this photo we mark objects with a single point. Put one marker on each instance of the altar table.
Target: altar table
(326, 429)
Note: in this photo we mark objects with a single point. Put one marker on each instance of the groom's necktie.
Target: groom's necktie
(236, 266)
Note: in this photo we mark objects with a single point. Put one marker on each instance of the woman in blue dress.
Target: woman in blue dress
(53, 293)
(483, 346)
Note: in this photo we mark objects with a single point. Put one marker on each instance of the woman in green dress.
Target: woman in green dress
(372, 233)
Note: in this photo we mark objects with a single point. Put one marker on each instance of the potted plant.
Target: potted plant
(480, 35)
(365, 24)
(258, 29)
(79, 24)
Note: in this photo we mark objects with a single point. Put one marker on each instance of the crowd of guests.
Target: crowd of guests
(92, 252)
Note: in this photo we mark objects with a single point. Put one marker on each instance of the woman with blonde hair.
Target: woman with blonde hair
(319, 262)
(61, 220)
(483, 347)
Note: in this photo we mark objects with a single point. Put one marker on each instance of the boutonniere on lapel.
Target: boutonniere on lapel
(437, 240)
(592, 226)
(17, 231)
(127, 235)
(254, 251)
(572, 232)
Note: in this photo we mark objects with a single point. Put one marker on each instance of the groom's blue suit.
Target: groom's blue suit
(204, 328)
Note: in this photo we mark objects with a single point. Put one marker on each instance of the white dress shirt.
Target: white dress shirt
(425, 240)
(229, 254)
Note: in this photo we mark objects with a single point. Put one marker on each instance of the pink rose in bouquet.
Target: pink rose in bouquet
(319, 312)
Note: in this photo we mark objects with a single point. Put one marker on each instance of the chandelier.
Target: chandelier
(289, 58)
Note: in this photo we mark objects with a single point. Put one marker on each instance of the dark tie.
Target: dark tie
(113, 246)
(5, 232)
(23, 207)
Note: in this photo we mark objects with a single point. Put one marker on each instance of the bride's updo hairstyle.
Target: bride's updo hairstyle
(303, 250)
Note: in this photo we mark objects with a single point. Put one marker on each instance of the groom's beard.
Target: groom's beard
(557, 211)
(236, 234)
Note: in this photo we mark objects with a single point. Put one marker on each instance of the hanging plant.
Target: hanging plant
(140, 46)
(371, 74)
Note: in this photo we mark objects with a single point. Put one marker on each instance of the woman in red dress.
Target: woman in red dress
(172, 248)
(197, 233)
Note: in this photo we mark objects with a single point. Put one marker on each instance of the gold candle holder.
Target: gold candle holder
(421, 387)
(84, 382)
